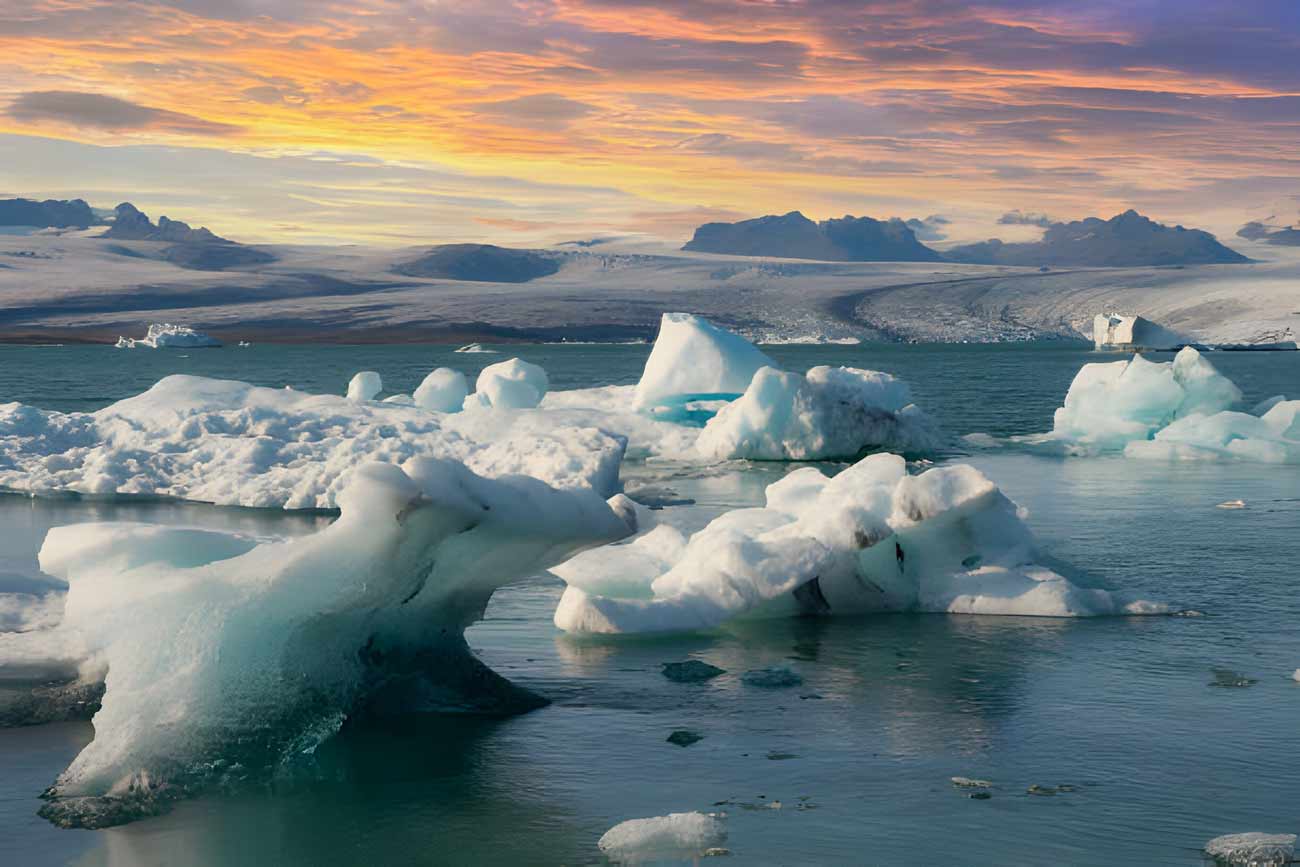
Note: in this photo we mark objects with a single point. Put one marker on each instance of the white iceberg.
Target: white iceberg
(226, 657)
(168, 336)
(513, 384)
(1132, 333)
(871, 539)
(833, 412)
(231, 443)
(1252, 849)
(366, 385)
(677, 835)
(692, 357)
(475, 347)
(443, 390)
(1182, 409)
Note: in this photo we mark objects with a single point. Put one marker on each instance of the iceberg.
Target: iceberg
(226, 658)
(692, 356)
(366, 385)
(833, 412)
(475, 347)
(168, 336)
(1132, 333)
(675, 836)
(871, 539)
(231, 443)
(1177, 410)
(513, 384)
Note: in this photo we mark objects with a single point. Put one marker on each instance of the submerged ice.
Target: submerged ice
(871, 539)
(226, 657)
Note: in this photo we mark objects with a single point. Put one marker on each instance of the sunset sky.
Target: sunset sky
(421, 121)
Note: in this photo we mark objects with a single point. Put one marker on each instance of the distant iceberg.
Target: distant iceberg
(230, 658)
(168, 336)
(871, 539)
(475, 347)
(1181, 410)
(1132, 333)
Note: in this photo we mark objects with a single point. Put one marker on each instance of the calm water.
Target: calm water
(891, 707)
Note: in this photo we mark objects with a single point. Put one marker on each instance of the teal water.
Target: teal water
(1125, 710)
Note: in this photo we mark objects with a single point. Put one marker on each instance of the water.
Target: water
(1127, 711)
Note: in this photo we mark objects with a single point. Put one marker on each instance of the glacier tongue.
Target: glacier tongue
(226, 657)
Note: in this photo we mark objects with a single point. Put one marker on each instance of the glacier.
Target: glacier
(873, 538)
(226, 658)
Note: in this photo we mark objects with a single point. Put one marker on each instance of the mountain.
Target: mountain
(132, 224)
(481, 263)
(49, 214)
(1126, 240)
(794, 236)
(1283, 237)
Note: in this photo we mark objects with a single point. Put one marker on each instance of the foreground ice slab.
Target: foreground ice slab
(232, 443)
(692, 356)
(833, 412)
(1181, 409)
(168, 336)
(871, 539)
(228, 658)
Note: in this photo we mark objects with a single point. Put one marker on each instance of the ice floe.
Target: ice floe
(443, 390)
(231, 443)
(873, 538)
(677, 835)
(168, 336)
(226, 657)
(365, 385)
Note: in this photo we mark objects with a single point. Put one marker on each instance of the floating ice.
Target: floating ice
(443, 390)
(168, 336)
(833, 412)
(1131, 333)
(692, 356)
(1252, 849)
(513, 384)
(366, 385)
(475, 347)
(227, 657)
(681, 835)
(232, 443)
(873, 538)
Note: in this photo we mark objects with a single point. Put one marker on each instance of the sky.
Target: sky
(536, 121)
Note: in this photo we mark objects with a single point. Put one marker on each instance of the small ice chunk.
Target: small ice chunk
(168, 336)
(476, 347)
(772, 678)
(1232, 504)
(969, 783)
(513, 384)
(692, 356)
(443, 390)
(1296, 676)
(674, 835)
(1252, 849)
(691, 671)
(366, 385)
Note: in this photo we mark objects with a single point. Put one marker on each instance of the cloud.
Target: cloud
(108, 112)
(1023, 218)
(544, 111)
(932, 228)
